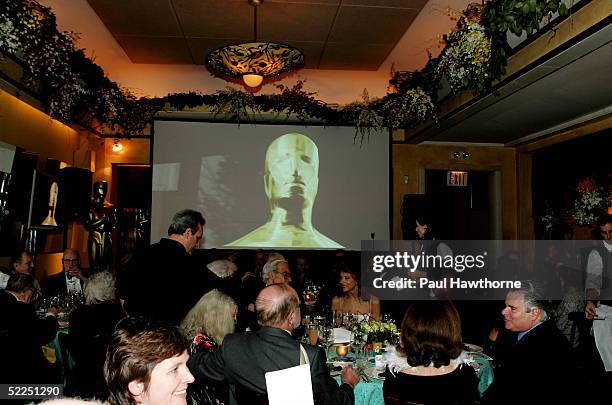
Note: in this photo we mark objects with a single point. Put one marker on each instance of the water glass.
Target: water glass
(361, 358)
(313, 333)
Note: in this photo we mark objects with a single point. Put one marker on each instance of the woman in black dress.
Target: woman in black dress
(433, 373)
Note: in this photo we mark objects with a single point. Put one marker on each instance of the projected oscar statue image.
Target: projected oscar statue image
(291, 180)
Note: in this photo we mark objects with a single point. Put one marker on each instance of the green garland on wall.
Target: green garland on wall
(74, 88)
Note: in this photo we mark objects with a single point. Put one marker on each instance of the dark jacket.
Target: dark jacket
(163, 282)
(91, 327)
(56, 285)
(244, 358)
(22, 334)
(540, 368)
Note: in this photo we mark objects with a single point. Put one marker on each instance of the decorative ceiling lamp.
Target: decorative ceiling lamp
(254, 61)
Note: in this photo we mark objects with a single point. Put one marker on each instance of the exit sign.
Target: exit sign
(456, 179)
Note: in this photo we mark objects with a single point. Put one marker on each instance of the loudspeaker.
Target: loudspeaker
(75, 184)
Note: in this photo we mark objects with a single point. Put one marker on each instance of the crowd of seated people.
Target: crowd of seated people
(227, 360)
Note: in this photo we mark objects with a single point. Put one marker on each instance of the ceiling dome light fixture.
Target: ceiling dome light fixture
(254, 61)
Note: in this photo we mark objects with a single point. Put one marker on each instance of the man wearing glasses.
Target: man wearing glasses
(277, 272)
(70, 280)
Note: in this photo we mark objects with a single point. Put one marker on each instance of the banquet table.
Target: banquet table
(371, 392)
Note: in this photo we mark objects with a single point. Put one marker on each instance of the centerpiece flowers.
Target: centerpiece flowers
(373, 331)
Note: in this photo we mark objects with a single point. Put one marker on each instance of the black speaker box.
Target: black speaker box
(75, 185)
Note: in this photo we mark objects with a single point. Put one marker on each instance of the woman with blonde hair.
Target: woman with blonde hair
(206, 324)
(213, 315)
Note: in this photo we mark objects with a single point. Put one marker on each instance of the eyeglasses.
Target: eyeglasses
(72, 261)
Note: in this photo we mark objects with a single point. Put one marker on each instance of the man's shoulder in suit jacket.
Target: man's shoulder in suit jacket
(244, 358)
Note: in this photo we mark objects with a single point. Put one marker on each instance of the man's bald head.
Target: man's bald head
(276, 304)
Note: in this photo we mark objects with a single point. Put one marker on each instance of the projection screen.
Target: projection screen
(272, 186)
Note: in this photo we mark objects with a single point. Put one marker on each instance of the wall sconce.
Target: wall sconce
(456, 155)
(466, 155)
(117, 146)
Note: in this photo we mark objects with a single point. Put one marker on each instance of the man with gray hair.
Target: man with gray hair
(276, 272)
(245, 358)
(532, 353)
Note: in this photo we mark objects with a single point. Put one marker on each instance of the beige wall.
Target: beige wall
(411, 160)
(134, 151)
(25, 126)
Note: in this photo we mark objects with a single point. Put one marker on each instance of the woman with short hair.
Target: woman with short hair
(146, 364)
(432, 371)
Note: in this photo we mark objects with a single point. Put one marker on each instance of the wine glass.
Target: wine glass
(338, 318)
(346, 319)
(326, 336)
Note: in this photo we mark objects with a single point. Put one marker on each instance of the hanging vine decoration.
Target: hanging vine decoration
(74, 88)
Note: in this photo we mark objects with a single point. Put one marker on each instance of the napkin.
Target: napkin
(342, 335)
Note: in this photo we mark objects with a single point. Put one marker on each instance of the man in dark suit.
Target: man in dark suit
(245, 358)
(70, 279)
(531, 353)
(163, 281)
(22, 334)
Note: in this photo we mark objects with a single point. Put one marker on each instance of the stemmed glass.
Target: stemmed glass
(338, 318)
(326, 336)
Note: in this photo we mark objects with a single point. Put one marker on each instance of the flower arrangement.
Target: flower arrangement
(549, 222)
(465, 59)
(374, 331)
(8, 40)
(589, 206)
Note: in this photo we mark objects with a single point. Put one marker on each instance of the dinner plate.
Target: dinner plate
(372, 372)
(472, 348)
(343, 359)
